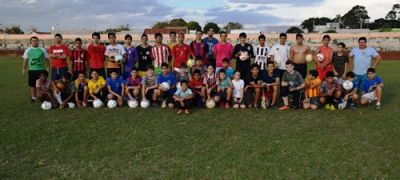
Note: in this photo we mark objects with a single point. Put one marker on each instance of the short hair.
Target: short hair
(262, 36)
(183, 65)
(225, 60)
(208, 65)
(81, 72)
(289, 63)
(199, 31)
(362, 39)
(299, 35)
(97, 34)
(181, 33)
(326, 37)
(157, 35)
(172, 33)
(150, 66)
(67, 76)
(330, 74)
(144, 35)
(342, 44)
(45, 73)
(350, 74)
(270, 62)
(371, 70)
(255, 66)
(314, 73)
(128, 36)
(184, 81)
(58, 35)
(78, 39)
(164, 64)
(196, 71)
(111, 34)
(282, 35)
(242, 35)
(223, 32)
(33, 37)
(116, 71)
(199, 58)
(134, 69)
(222, 71)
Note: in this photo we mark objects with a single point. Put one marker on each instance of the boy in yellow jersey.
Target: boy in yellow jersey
(97, 86)
(313, 85)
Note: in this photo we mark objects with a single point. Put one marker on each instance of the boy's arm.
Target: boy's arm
(376, 60)
(24, 66)
(123, 90)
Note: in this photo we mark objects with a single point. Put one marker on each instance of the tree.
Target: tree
(13, 30)
(394, 14)
(233, 25)
(177, 23)
(161, 24)
(310, 22)
(193, 25)
(356, 17)
(211, 25)
(294, 30)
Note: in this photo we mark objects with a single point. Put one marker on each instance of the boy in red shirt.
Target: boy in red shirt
(324, 66)
(58, 54)
(78, 58)
(96, 56)
(198, 89)
(181, 52)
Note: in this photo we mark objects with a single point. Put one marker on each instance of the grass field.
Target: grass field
(208, 144)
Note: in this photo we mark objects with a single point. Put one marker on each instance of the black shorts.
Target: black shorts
(33, 75)
(301, 68)
(315, 101)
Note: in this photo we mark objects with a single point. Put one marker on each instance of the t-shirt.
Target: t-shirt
(183, 94)
(149, 81)
(59, 50)
(253, 80)
(180, 77)
(111, 50)
(79, 86)
(229, 72)
(327, 52)
(325, 87)
(78, 58)
(69, 88)
(246, 49)
(339, 63)
(209, 80)
(199, 50)
(94, 85)
(222, 51)
(160, 54)
(313, 92)
(261, 53)
(368, 83)
(43, 86)
(293, 80)
(133, 82)
(144, 57)
(96, 56)
(132, 58)
(181, 54)
(223, 84)
(362, 59)
(237, 86)
(281, 54)
(271, 79)
(210, 43)
(116, 84)
(170, 79)
(196, 85)
(36, 58)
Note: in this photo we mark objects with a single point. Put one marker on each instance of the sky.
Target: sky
(140, 14)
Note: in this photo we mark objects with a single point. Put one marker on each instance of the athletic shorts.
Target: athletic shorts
(370, 96)
(315, 101)
(33, 75)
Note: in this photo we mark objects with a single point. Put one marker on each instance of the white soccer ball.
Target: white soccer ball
(342, 105)
(320, 57)
(244, 55)
(190, 63)
(46, 105)
(165, 85)
(348, 85)
(97, 103)
(112, 104)
(309, 57)
(119, 59)
(71, 105)
(144, 103)
(210, 104)
(133, 104)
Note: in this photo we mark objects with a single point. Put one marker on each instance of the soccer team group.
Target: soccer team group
(182, 76)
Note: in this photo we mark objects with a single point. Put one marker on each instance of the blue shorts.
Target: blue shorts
(359, 79)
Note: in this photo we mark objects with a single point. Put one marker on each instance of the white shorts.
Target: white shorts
(369, 96)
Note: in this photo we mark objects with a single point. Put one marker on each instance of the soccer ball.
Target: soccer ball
(244, 55)
(190, 63)
(133, 104)
(112, 104)
(309, 57)
(46, 105)
(320, 57)
(348, 85)
(165, 85)
(342, 105)
(97, 103)
(60, 86)
(210, 104)
(119, 59)
(144, 103)
(71, 105)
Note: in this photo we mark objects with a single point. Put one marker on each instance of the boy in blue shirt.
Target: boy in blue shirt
(372, 89)
(183, 98)
(116, 88)
(166, 94)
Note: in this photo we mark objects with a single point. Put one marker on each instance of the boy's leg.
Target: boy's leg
(297, 96)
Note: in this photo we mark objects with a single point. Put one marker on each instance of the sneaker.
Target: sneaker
(187, 111)
(180, 111)
(327, 107)
(378, 107)
(353, 106)
(295, 107)
(332, 108)
(263, 104)
(33, 100)
(283, 108)
(227, 106)
(164, 104)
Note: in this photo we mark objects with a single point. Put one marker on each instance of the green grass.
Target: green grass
(208, 144)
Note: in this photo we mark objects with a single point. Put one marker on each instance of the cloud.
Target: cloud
(292, 2)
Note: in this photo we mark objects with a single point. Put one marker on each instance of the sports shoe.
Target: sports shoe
(187, 111)
(33, 100)
(283, 108)
(378, 107)
(353, 106)
(327, 107)
(180, 111)
(332, 108)
(164, 104)
(263, 103)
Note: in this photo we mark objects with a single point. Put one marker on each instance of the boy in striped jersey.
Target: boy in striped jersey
(313, 85)
(199, 47)
(160, 53)
(261, 53)
(79, 59)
